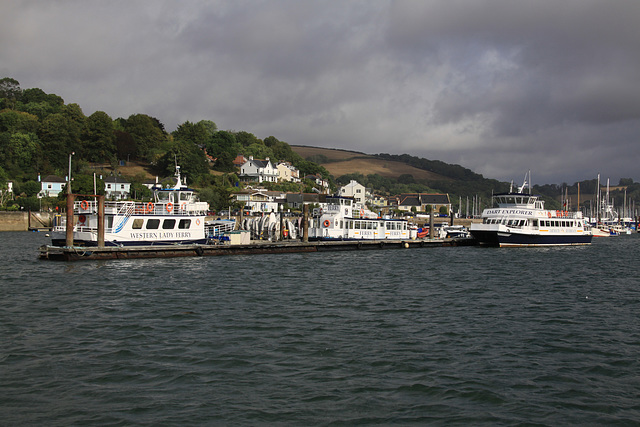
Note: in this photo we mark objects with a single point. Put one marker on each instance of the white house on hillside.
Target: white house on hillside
(51, 186)
(355, 190)
(116, 187)
(258, 171)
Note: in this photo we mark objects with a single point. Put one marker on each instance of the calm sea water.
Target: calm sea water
(466, 336)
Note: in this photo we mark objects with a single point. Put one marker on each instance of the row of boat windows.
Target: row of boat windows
(374, 225)
(566, 223)
(154, 224)
(367, 225)
(560, 223)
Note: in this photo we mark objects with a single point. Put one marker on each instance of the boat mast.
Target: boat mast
(598, 201)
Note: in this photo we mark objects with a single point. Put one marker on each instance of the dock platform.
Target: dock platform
(77, 253)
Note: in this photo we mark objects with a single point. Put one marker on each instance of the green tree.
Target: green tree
(98, 138)
(246, 139)
(75, 123)
(83, 184)
(38, 102)
(30, 188)
(10, 92)
(218, 197)
(197, 133)
(148, 135)
(140, 192)
(188, 156)
(259, 151)
(23, 149)
(209, 126)
(58, 137)
(13, 121)
(125, 145)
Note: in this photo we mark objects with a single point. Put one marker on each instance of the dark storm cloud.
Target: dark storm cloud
(496, 86)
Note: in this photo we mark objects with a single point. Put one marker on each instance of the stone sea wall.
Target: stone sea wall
(22, 221)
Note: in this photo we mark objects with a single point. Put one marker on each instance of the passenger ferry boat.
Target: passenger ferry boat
(343, 219)
(175, 216)
(521, 220)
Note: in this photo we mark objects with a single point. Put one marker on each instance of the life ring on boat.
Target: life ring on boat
(183, 206)
(84, 205)
(169, 207)
(549, 214)
(326, 223)
(82, 219)
(198, 221)
(361, 213)
(150, 207)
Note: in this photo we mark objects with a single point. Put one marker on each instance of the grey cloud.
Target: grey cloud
(497, 86)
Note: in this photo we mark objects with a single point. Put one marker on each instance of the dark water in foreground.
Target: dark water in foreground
(467, 336)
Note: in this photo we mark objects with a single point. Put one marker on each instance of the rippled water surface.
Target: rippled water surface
(467, 336)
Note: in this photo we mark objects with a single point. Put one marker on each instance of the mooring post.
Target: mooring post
(101, 221)
(70, 200)
(281, 237)
(305, 223)
(431, 224)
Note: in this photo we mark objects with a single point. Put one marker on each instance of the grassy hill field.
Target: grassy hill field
(343, 162)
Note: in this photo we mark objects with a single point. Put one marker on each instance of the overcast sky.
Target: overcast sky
(499, 87)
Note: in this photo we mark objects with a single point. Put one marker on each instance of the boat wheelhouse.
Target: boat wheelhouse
(520, 219)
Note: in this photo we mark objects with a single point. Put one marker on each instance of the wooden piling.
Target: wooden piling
(305, 223)
(100, 221)
(69, 229)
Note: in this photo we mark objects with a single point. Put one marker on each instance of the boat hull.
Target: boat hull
(505, 239)
(93, 243)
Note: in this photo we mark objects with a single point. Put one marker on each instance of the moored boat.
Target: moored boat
(343, 219)
(520, 219)
(175, 216)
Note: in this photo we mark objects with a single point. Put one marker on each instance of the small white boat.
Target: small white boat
(447, 231)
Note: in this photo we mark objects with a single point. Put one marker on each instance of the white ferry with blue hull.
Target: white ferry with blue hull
(521, 220)
(175, 216)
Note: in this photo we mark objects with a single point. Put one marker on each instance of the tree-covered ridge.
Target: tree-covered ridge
(38, 132)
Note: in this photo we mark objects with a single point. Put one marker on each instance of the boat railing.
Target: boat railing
(127, 208)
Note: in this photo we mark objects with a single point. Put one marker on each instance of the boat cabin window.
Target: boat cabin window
(137, 223)
(169, 224)
(153, 224)
(184, 224)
